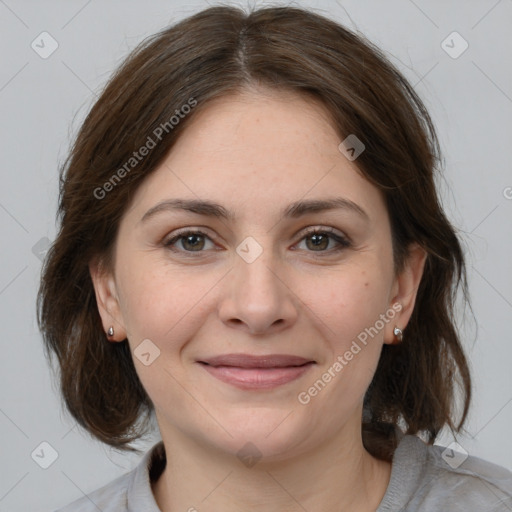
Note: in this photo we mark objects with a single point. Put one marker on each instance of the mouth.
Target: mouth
(247, 371)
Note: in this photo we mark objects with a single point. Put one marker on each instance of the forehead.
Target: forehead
(256, 152)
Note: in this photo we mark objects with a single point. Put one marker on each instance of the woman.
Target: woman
(252, 249)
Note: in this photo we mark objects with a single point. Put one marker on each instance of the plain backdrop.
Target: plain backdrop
(43, 101)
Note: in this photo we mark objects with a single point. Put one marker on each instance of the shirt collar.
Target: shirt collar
(139, 494)
(408, 460)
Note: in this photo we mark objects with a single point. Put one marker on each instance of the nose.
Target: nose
(256, 297)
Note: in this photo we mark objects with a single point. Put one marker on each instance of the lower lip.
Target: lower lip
(257, 378)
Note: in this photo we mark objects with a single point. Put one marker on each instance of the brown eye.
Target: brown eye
(189, 241)
(193, 242)
(319, 241)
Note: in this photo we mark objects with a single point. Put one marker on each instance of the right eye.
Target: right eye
(191, 241)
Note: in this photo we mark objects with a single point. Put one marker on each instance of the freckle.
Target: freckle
(366, 284)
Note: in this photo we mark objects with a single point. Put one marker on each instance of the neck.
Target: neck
(337, 476)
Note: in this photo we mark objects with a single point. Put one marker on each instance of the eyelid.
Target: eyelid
(188, 230)
(325, 229)
(176, 235)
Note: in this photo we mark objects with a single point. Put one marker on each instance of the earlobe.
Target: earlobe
(108, 304)
(405, 291)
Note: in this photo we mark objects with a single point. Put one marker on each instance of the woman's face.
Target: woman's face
(231, 312)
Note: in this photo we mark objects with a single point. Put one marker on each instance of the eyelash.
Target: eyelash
(343, 242)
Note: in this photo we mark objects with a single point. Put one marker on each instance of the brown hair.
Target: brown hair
(218, 52)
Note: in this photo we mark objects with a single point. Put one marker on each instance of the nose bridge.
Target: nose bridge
(256, 294)
(256, 268)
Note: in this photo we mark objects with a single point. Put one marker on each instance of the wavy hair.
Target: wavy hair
(218, 52)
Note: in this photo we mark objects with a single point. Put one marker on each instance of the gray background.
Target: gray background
(42, 103)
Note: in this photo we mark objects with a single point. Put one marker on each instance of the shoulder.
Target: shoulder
(129, 492)
(467, 480)
(431, 477)
(109, 498)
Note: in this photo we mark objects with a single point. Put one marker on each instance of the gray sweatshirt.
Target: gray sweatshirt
(424, 478)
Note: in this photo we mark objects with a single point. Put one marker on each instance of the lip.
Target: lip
(247, 371)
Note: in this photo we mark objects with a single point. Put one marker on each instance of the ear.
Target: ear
(404, 291)
(107, 300)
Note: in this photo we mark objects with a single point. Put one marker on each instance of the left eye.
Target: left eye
(320, 239)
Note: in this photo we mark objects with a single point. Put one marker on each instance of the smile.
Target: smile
(256, 372)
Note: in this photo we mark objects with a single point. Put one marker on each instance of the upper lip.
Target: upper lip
(252, 361)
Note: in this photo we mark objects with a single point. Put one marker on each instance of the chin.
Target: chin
(265, 434)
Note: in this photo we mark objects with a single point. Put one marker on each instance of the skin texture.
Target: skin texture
(256, 153)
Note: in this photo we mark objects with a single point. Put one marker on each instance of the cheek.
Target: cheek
(349, 302)
(160, 302)
(349, 312)
(164, 306)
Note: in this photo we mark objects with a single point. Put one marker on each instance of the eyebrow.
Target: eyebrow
(294, 210)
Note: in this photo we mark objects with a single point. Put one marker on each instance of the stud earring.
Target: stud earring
(110, 331)
(398, 333)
